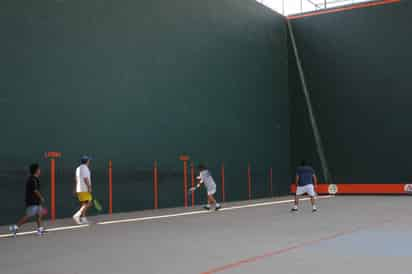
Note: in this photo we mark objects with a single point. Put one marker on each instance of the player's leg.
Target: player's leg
(296, 203)
(313, 202)
(299, 192)
(39, 221)
(207, 206)
(212, 200)
(87, 203)
(83, 217)
(78, 214)
(312, 194)
(14, 228)
(29, 213)
(23, 220)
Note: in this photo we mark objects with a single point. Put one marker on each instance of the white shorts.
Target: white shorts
(211, 190)
(33, 210)
(307, 189)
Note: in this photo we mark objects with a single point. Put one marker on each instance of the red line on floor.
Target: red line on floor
(290, 248)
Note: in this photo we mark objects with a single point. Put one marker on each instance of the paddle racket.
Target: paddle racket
(190, 192)
(97, 205)
(193, 189)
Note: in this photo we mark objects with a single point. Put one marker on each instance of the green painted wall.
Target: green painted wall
(357, 65)
(137, 81)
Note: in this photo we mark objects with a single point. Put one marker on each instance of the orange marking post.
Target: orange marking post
(52, 156)
(155, 186)
(192, 175)
(185, 158)
(53, 188)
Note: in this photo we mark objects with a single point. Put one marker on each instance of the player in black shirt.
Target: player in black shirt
(34, 199)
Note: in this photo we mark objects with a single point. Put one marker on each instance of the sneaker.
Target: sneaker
(13, 229)
(207, 207)
(294, 209)
(84, 221)
(77, 220)
(218, 207)
(314, 209)
(40, 231)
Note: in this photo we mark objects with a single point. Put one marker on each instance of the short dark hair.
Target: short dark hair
(202, 167)
(303, 163)
(34, 168)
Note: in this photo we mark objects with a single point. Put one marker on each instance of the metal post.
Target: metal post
(223, 182)
(110, 187)
(315, 129)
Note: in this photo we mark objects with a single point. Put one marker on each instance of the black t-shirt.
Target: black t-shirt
(32, 184)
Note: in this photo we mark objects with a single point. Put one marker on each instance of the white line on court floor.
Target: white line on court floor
(158, 217)
(61, 228)
(202, 211)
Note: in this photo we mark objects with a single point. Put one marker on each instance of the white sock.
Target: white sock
(295, 207)
(78, 214)
(314, 206)
(217, 205)
(208, 206)
(41, 229)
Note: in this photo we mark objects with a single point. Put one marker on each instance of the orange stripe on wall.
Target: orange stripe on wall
(352, 7)
(398, 188)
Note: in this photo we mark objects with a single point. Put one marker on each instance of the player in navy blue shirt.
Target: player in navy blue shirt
(306, 181)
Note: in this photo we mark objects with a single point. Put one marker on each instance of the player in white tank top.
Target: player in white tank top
(205, 177)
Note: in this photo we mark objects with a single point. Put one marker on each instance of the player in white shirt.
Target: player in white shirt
(83, 190)
(206, 179)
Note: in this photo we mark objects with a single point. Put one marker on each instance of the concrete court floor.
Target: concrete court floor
(349, 234)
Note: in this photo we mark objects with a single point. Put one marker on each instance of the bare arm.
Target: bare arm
(315, 180)
(199, 181)
(38, 194)
(297, 180)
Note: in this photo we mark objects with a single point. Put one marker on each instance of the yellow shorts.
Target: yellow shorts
(84, 197)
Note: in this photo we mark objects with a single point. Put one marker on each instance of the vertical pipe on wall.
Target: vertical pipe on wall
(249, 181)
(185, 182)
(52, 156)
(222, 174)
(315, 129)
(185, 159)
(155, 186)
(271, 181)
(192, 175)
(53, 189)
(110, 187)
